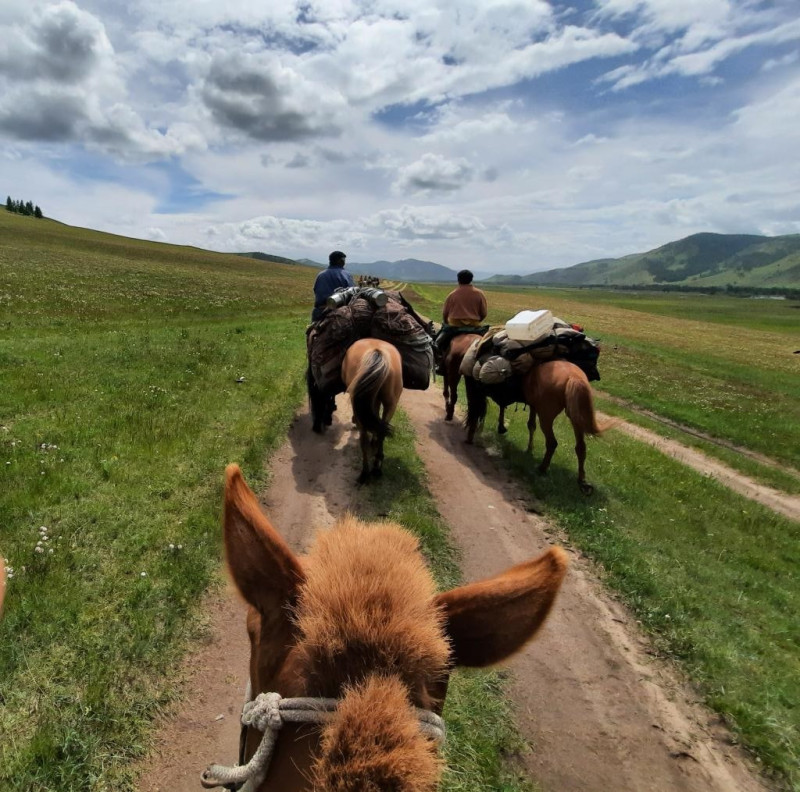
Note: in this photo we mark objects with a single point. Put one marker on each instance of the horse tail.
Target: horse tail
(580, 407)
(476, 404)
(364, 389)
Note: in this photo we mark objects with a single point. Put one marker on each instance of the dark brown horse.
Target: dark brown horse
(372, 372)
(452, 370)
(548, 389)
(354, 638)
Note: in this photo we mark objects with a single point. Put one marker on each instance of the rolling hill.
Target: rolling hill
(701, 260)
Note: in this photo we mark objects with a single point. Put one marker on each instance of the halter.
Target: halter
(268, 712)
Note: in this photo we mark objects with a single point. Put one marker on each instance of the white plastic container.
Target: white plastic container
(530, 326)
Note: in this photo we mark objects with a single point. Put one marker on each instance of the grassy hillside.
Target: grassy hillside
(701, 260)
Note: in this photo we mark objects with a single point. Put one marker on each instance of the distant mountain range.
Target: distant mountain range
(403, 270)
(698, 261)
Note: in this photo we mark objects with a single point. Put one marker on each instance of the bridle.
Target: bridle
(268, 712)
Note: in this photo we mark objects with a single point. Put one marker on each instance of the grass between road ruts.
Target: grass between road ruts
(710, 575)
(483, 746)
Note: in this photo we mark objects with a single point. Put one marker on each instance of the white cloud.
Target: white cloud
(462, 131)
(434, 173)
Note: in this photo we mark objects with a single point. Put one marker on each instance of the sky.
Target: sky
(507, 136)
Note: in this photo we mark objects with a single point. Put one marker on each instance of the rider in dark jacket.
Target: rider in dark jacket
(328, 281)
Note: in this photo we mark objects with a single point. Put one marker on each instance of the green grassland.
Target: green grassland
(132, 372)
(710, 575)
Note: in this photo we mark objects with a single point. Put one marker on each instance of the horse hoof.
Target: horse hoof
(501, 430)
(542, 471)
(328, 420)
(448, 417)
(363, 478)
(377, 472)
(586, 488)
(317, 428)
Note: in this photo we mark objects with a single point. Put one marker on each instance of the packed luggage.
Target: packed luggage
(369, 313)
(497, 356)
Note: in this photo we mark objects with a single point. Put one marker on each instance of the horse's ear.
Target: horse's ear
(490, 620)
(263, 567)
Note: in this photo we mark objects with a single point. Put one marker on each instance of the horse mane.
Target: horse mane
(368, 606)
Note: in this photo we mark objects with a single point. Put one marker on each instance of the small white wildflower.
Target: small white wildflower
(180, 547)
(38, 549)
(171, 546)
(39, 543)
(50, 551)
(143, 574)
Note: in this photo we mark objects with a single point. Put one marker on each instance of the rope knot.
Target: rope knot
(264, 712)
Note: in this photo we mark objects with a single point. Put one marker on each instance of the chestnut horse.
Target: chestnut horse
(354, 638)
(548, 389)
(372, 372)
(452, 369)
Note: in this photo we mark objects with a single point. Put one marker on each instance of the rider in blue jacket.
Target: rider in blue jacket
(328, 281)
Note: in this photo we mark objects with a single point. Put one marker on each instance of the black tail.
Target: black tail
(364, 390)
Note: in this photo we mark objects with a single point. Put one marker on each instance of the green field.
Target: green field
(132, 372)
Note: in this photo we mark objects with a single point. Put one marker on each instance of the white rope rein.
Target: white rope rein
(268, 712)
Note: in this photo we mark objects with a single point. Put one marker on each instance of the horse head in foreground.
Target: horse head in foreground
(355, 635)
(372, 372)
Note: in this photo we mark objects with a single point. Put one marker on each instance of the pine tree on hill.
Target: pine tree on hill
(9, 204)
(37, 212)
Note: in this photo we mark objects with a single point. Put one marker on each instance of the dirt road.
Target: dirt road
(601, 713)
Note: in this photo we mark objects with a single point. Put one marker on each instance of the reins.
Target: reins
(268, 712)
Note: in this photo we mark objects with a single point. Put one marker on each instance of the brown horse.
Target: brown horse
(548, 389)
(452, 370)
(372, 372)
(355, 638)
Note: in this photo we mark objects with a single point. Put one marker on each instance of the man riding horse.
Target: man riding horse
(464, 311)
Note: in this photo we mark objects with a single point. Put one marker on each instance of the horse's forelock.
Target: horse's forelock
(368, 606)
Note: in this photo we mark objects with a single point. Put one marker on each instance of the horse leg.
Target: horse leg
(550, 442)
(364, 442)
(501, 420)
(452, 397)
(377, 447)
(580, 452)
(531, 430)
(330, 409)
